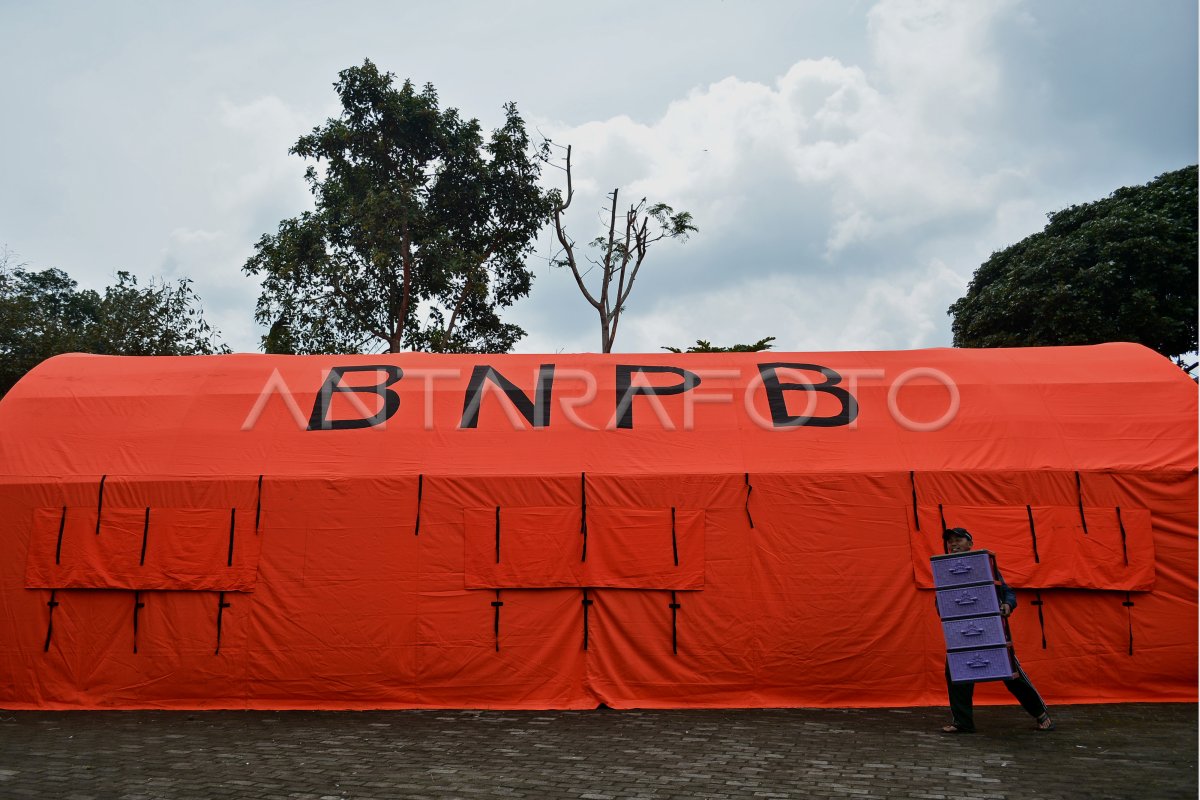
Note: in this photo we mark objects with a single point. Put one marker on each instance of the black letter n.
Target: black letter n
(391, 401)
(536, 412)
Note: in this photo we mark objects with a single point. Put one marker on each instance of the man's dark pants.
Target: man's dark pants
(962, 697)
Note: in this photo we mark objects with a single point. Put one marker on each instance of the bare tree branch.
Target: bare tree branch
(621, 258)
(568, 245)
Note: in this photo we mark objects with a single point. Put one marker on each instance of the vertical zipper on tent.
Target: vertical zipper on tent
(583, 514)
(145, 536)
(497, 534)
(100, 503)
(583, 517)
(1041, 620)
(586, 604)
(1129, 612)
(258, 506)
(912, 481)
(674, 542)
(232, 521)
(1032, 534)
(221, 606)
(137, 606)
(674, 629)
(53, 604)
(1124, 548)
(62, 524)
(496, 619)
(1079, 493)
(420, 491)
(749, 489)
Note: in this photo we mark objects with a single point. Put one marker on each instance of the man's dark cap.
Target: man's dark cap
(949, 532)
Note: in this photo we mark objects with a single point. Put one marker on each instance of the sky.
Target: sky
(849, 164)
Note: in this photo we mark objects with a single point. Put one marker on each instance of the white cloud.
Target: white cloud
(904, 310)
(888, 162)
(262, 171)
(255, 184)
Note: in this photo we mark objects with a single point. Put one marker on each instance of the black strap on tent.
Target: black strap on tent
(100, 503)
(1124, 548)
(232, 522)
(912, 482)
(1079, 493)
(497, 534)
(145, 536)
(53, 604)
(138, 605)
(1041, 620)
(496, 619)
(749, 489)
(586, 604)
(941, 516)
(583, 514)
(420, 492)
(221, 606)
(674, 541)
(62, 524)
(674, 628)
(1032, 534)
(1129, 612)
(258, 506)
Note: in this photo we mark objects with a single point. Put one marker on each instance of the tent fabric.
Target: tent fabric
(668, 530)
(1115, 552)
(81, 548)
(616, 548)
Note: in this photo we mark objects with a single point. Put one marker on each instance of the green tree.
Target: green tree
(620, 252)
(704, 346)
(415, 214)
(1119, 269)
(43, 314)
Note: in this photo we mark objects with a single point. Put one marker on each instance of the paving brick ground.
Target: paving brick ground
(1110, 751)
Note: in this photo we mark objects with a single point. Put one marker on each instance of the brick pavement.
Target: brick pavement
(1103, 751)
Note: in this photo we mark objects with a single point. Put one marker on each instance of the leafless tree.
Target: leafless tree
(619, 253)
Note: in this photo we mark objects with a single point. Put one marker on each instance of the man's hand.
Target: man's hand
(1005, 609)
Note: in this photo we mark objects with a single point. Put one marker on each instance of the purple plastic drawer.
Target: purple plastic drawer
(967, 601)
(989, 664)
(974, 632)
(961, 569)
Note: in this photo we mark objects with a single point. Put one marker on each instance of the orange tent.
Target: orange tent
(750, 529)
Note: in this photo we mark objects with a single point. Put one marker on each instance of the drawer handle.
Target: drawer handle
(978, 663)
(965, 600)
(972, 630)
(959, 568)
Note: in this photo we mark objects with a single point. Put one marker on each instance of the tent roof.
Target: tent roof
(1115, 406)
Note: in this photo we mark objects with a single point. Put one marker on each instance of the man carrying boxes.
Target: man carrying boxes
(974, 603)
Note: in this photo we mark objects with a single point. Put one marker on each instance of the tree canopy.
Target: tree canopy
(43, 314)
(1118, 269)
(415, 216)
(705, 346)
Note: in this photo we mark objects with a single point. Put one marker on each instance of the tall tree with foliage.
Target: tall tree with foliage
(415, 214)
(43, 314)
(619, 252)
(1119, 269)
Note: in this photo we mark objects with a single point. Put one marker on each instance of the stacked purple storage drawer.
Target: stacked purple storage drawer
(977, 644)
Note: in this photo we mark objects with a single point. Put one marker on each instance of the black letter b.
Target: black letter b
(391, 400)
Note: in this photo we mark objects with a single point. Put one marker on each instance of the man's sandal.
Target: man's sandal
(1044, 723)
(954, 727)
